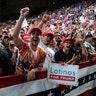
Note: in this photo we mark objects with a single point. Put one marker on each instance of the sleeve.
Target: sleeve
(43, 55)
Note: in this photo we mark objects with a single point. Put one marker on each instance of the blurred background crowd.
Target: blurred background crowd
(76, 21)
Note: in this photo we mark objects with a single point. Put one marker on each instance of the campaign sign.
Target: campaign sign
(63, 74)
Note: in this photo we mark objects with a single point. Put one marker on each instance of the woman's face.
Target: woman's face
(67, 45)
(11, 45)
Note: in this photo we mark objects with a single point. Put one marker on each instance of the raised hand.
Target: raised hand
(31, 75)
(24, 12)
(45, 18)
(81, 41)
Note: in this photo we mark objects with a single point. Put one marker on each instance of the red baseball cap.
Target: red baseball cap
(35, 28)
(68, 39)
(48, 33)
(6, 33)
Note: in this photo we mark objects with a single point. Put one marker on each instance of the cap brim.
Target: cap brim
(48, 33)
(51, 35)
(35, 29)
(68, 39)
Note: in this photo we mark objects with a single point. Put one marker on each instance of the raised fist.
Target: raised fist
(24, 12)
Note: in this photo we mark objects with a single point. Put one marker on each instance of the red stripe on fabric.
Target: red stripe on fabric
(41, 75)
(6, 81)
(87, 64)
(89, 92)
(10, 80)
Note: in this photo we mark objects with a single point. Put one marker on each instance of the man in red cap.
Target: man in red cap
(46, 39)
(45, 42)
(31, 56)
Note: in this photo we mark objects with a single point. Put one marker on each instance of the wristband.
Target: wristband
(21, 18)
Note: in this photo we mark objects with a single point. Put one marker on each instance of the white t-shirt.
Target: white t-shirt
(49, 55)
(82, 19)
(49, 58)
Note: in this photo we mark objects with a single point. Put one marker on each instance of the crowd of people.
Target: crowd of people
(64, 36)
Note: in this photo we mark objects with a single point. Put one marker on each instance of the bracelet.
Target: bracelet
(21, 18)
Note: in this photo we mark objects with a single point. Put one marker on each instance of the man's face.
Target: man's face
(47, 39)
(90, 39)
(57, 38)
(35, 38)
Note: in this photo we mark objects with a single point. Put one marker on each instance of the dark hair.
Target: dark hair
(22, 29)
(58, 43)
(11, 38)
(6, 63)
(6, 36)
(94, 38)
(88, 36)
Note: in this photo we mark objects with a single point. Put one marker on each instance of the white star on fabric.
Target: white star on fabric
(94, 75)
(70, 87)
(62, 92)
(50, 94)
(84, 80)
(89, 77)
(78, 83)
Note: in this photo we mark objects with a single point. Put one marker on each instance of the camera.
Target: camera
(78, 51)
